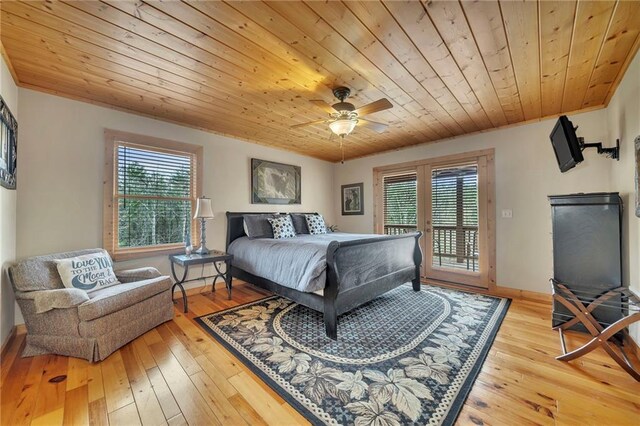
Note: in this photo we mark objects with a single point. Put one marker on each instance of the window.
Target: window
(400, 203)
(454, 212)
(151, 187)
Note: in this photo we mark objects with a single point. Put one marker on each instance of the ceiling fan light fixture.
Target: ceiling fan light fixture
(343, 126)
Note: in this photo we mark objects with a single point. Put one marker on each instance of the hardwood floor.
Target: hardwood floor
(177, 374)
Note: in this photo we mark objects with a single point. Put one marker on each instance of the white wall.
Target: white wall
(9, 93)
(61, 172)
(623, 115)
(60, 179)
(526, 173)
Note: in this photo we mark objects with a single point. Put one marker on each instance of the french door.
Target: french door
(450, 200)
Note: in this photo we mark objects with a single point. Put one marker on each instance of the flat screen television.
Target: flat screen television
(566, 144)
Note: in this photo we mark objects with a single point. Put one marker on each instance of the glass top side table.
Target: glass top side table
(214, 257)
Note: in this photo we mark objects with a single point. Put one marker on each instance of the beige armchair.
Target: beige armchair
(71, 322)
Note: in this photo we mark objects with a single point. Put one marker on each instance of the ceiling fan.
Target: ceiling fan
(344, 116)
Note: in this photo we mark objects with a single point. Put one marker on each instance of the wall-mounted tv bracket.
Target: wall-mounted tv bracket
(609, 152)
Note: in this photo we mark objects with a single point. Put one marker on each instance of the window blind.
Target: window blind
(155, 195)
(400, 203)
(455, 196)
(454, 214)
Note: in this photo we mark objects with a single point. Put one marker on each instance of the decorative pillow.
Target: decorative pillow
(258, 226)
(299, 223)
(282, 227)
(315, 223)
(89, 272)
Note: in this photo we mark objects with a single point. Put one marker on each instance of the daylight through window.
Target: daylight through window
(400, 203)
(154, 194)
(454, 204)
(154, 197)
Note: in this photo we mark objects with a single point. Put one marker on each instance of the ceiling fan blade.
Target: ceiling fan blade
(324, 106)
(375, 126)
(379, 105)
(311, 123)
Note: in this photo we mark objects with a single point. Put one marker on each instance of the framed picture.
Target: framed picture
(8, 146)
(353, 199)
(637, 148)
(275, 183)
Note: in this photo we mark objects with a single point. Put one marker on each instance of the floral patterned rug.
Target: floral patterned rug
(404, 358)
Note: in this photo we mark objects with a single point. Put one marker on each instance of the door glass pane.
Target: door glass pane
(400, 200)
(454, 213)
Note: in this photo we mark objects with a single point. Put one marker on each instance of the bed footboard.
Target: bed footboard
(359, 271)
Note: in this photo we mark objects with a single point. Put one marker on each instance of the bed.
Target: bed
(331, 274)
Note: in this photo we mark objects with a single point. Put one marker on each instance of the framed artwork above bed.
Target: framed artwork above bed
(353, 199)
(275, 183)
(8, 146)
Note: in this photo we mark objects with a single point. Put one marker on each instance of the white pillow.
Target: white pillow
(315, 223)
(282, 227)
(89, 272)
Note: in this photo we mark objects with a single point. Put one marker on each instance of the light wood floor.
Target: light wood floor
(177, 374)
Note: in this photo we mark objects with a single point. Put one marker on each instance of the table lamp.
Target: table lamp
(203, 212)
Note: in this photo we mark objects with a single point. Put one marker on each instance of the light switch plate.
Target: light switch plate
(507, 213)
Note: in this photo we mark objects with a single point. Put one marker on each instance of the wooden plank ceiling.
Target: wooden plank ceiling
(249, 69)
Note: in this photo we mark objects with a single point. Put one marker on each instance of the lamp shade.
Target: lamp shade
(343, 126)
(203, 209)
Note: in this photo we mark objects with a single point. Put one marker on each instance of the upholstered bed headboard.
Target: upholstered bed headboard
(235, 224)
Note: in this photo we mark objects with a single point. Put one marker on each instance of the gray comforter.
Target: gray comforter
(299, 263)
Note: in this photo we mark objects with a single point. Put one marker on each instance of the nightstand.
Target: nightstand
(214, 257)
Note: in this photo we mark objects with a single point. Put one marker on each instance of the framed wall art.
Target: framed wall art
(353, 199)
(275, 183)
(8, 146)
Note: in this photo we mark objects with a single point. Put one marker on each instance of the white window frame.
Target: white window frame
(113, 139)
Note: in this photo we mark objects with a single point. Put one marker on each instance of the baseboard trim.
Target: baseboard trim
(512, 293)
(7, 343)
(632, 345)
(196, 290)
(454, 286)
(515, 293)
(206, 288)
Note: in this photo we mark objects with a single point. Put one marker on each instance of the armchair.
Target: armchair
(69, 321)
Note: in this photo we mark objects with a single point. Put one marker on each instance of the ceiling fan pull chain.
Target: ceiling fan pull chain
(342, 149)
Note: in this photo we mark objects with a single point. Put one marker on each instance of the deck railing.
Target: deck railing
(456, 247)
(453, 247)
(399, 229)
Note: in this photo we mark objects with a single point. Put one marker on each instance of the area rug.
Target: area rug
(404, 358)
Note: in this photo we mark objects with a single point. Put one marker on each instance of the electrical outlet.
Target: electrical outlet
(507, 213)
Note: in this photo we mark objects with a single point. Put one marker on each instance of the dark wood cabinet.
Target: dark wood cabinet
(587, 251)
